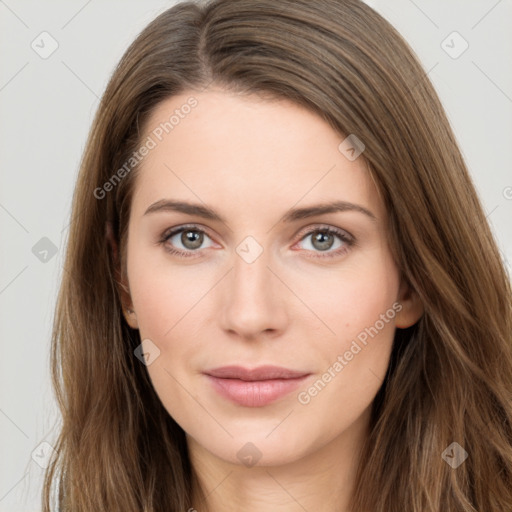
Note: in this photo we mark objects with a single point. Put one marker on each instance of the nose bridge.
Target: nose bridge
(251, 275)
(252, 303)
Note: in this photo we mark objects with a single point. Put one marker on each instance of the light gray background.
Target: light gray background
(46, 108)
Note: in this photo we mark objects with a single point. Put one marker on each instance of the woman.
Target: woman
(281, 290)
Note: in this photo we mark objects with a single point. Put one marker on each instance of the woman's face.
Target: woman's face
(256, 280)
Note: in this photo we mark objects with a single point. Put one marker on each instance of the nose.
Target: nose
(254, 300)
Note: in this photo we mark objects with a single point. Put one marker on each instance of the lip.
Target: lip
(254, 387)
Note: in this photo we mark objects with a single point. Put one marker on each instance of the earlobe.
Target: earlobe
(412, 307)
(131, 318)
(121, 286)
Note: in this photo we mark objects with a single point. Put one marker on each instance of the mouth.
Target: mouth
(255, 387)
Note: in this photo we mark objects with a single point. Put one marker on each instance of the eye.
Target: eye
(191, 239)
(323, 239)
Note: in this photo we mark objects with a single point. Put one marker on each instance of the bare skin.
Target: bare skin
(299, 304)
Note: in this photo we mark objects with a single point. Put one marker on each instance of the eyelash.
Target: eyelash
(347, 239)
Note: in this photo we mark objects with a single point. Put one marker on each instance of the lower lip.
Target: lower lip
(255, 393)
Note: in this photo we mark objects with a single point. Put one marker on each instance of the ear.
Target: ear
(121, 283)
(412, 307)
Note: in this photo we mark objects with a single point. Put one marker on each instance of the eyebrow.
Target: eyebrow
(291, 215)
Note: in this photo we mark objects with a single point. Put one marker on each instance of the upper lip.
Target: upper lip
(266, 372)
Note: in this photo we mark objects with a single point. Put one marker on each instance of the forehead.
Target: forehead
(247, 151)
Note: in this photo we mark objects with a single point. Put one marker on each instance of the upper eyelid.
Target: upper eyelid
(178, 229)
(320, 227)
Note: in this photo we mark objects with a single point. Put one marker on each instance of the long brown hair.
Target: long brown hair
(450, 375)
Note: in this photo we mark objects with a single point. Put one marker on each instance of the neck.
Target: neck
(323, 480)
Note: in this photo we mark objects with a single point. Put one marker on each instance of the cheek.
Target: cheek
(352, 370)
(353, 297)
(162, 294)
(362, 318)
(359, 305)
(164, 303)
